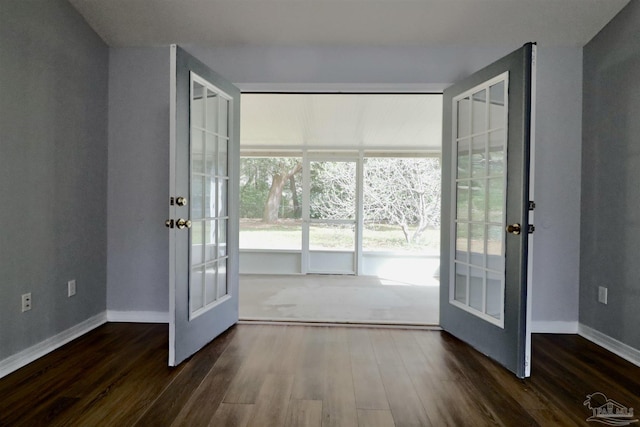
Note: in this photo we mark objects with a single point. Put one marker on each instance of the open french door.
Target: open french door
(205, 159)
(485, 209)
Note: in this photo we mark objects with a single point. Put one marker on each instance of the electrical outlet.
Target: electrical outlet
(26, 302)
(602, 294)
(71, 287)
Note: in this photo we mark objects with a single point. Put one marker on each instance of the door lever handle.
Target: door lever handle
(514, 229)
(182, 223)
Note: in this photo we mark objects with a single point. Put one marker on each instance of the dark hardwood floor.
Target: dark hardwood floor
(259, 375)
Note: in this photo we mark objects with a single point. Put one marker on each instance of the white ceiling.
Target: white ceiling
(347, 22)
(276, 122)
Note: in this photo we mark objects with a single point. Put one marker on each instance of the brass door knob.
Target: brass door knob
(182, 223)
(181, 201)
(514, 229)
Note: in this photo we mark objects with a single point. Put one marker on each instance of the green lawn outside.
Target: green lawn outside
(287, 234)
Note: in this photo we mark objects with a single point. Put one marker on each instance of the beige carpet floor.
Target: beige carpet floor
(335, 298)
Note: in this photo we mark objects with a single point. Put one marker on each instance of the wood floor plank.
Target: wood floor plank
(206, 397)
(173, 398)
(339, 403)
(497, 397)
(368, 386)
(98, 383)
(41, 369)
(231, 415)
(246, 385)
(117, 375)
(375, 418)
(304, 413)
(287, 351)
(272, 404)
(440, 364)
(404, 402)
(564, 371)
(134, 388)
(310, 379)
(439, 394)
(47, 385)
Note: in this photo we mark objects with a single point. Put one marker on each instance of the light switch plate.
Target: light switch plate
(602, 294)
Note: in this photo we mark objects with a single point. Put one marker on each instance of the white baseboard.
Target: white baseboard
(138, 316)
(613, 345)
(553, 327)
(28, 355)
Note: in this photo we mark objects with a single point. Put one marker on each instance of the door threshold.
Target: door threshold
(338, 323)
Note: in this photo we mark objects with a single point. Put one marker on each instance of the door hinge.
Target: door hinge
(531, 228)
(532, 205)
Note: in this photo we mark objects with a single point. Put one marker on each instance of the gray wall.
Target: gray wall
(358, 67)
(53, 170)
(556, 247)
(556, 268)
(138, 201)
(610, 229)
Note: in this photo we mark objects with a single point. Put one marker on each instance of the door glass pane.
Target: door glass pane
(197, 151)
(208, 194)
(464, 168)
(464, 117)
(222, 238)
(462, 242)
(210, 252)
(479, 113)
(211, 155)
(476, 248)
(209, 197)
(462, 201)
(210, 283)
(478, 197)
(497, 145)
(476, 287)
(222, 157)
(212, 111)
(494, 295)
(197, 196)
(221, 191)
(224, 118)
(495, 200)
(197, 106)
(478, 161)
(196, 284)
(495, 242)
(460, 283)
(197, 239)
(480, 201)
(497, 106)
(222, 278)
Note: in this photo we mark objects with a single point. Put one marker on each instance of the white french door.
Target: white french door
(205, 156)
